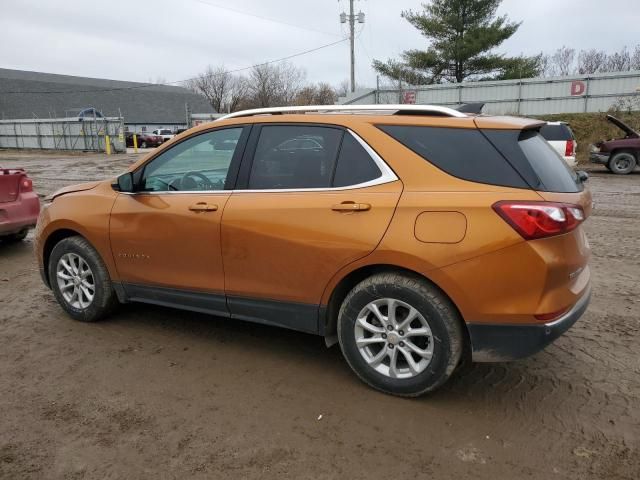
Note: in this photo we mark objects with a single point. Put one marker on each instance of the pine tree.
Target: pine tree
(463, 34)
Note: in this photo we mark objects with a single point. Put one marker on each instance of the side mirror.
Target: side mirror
(125, 183)
(582, 176)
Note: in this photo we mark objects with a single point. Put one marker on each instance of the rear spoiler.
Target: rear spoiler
(475, 108)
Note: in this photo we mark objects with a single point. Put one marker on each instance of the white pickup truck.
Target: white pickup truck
(165, 133)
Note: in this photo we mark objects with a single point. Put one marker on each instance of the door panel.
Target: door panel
(287, 245)
(169, 240)
(167, 233)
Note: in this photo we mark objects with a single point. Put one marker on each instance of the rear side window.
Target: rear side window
(551, 169)
(355, 165)
(300, 156)
(463, 153)
(555, 133)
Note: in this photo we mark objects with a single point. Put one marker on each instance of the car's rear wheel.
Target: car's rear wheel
(80, 280)
(622, 163)
(143, 145)
(400, 334)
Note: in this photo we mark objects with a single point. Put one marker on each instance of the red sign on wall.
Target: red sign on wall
(409, 97)
(577, 88)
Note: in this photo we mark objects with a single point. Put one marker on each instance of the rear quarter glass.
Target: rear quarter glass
(461, 152)
(537, 161)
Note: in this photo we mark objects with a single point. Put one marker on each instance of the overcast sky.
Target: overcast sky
(175, 39)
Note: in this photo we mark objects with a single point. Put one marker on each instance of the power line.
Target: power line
(149, 85)
(261, 17)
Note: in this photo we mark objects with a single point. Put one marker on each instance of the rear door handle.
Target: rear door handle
(203, 207)
(351, 207)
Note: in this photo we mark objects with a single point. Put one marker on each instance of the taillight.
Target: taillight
(569, 150)
(534, 220)
(26, 185)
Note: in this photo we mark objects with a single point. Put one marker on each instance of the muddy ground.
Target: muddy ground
(160, 394)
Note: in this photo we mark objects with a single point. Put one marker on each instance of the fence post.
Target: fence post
(586, 94)
(519, 96)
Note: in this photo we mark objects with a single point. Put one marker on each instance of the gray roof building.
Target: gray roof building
(26, 94)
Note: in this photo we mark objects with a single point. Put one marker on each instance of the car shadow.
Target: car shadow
(469, 381)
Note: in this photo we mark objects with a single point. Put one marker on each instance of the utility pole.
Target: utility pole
(352, 18)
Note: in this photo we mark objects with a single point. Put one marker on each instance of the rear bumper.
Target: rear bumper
(20, 214)
(601, 158)
(499, 343)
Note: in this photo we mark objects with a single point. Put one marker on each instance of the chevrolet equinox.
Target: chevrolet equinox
(413, 236)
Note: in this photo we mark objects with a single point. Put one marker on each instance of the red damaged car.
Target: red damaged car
(620, 155)
(19, 204)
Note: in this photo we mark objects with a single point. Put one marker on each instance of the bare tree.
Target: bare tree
(343, 88)
(325, 94)
(619, 61)
(592, 61)
(320, 94)
(635, 58)
(560, 63)
(223, 90)
(274, 85)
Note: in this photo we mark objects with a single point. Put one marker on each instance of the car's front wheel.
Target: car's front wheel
(400, 334)
(143, 145)
(622, 163)
(80, 280)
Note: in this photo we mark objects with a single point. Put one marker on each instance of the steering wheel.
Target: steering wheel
(189, 181)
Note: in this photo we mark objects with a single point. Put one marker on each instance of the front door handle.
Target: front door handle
(351, 207)
(203, 207)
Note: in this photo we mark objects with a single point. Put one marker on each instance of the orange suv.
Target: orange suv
(411, 235)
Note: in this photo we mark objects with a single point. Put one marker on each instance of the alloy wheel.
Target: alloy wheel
(75, 280)
(394, 338)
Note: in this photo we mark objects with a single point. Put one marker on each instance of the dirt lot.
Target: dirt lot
(158, 393)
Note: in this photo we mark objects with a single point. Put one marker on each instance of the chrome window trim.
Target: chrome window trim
(387, 176)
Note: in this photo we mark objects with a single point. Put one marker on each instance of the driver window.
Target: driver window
(199, 163)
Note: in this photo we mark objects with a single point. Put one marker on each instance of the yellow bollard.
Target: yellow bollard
(135, 143)
(107, 144)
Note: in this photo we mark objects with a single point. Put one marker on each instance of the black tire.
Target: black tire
(104, 300)
(622, 163)
(143, 145)
(16, 237)
(443, 319)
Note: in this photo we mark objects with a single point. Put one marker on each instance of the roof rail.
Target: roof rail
(362, 109)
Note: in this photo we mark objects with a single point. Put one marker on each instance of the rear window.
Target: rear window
(551, 169)
(463, 153)
(555, 133)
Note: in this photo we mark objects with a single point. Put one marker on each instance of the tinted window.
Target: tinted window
(300, 156)
(355, 165)
(463, 153)
(556, 132)
(198, 163)
(554, 173)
